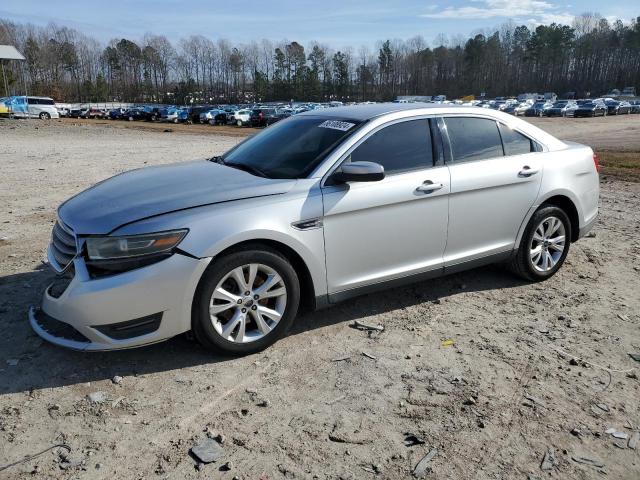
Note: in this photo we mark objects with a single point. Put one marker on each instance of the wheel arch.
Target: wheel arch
(566, 204)
(307, 289)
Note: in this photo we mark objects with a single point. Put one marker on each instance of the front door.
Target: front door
(378, 231)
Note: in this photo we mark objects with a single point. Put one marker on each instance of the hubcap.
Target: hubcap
(547, 244)
(248, 303)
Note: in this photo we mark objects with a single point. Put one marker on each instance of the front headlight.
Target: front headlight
(113, 248)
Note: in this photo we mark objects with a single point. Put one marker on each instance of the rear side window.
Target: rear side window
(473, 139)
(399, 147)
(515, 143)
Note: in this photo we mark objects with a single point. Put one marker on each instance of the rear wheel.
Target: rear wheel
(544, 245)
(246, 301)
(239, 123)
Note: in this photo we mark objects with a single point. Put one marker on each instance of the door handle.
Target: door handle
(428, 186)
(527, 171)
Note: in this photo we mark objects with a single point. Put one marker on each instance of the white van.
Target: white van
(38, 107)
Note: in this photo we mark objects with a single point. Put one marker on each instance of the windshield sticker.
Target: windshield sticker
(336, 125)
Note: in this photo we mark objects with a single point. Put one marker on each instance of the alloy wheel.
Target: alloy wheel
(247, 303)
(547, 244)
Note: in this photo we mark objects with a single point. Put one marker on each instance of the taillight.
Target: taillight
(596, 161)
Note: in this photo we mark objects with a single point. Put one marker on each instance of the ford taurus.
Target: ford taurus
(318, 208)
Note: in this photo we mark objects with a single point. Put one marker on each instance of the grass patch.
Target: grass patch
(623, 165)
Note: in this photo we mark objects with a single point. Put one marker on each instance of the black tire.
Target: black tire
(202, 326)
(45, 116)
(522, 264)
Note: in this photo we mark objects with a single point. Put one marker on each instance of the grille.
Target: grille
(63, 244)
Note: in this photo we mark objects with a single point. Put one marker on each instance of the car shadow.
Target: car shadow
(28, 363)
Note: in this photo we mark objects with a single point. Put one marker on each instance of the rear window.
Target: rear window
(473, 139)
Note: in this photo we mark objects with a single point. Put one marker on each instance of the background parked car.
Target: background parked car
(196, 111)
(615, 107)
(522, 107)
(116, 114)
(31, 107)
(215, 116)
(590, 108)
(93, 112)
(240, 117)
(559, 108)
(151, 114)
(263, 117)
(537, 109)
(135, 114)
(169, 114)
(635, 106)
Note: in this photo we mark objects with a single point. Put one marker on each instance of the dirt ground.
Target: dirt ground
(500, 377)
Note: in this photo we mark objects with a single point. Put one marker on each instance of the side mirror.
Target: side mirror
(359, 172)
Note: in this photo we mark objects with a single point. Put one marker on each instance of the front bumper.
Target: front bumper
(93, 306)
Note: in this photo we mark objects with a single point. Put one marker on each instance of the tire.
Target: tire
(239, 123)
(45, 116)
(131, 119)
(219, 275)
(525, 264)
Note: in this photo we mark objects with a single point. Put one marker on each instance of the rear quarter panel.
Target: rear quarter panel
(571, 172)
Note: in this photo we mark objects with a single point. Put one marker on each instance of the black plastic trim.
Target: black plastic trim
(131, 328)
(58, 328)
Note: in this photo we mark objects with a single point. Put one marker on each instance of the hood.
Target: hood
(152, 191)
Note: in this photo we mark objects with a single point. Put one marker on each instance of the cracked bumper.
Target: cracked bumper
(87, 304)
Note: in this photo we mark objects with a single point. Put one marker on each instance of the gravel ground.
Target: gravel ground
(499, 378)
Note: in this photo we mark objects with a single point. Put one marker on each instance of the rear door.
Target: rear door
(378, 231)
(495, 179)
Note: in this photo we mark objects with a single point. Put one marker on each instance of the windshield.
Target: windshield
(291, 148)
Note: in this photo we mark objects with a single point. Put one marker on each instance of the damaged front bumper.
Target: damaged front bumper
(139, 307)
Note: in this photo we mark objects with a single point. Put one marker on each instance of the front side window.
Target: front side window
(473, 139)
(399, 147)
(516, 143)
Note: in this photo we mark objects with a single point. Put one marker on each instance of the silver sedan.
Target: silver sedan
(318, 208)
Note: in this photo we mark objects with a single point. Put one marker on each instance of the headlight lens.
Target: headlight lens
(108, 248)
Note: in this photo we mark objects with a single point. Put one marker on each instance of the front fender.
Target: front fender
(215, 228)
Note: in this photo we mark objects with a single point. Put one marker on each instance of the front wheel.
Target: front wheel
(246, 301)
(544, 244)
(45, 116)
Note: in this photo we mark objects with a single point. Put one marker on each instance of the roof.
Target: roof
(365, 112)
(362, 113)
(8, 52)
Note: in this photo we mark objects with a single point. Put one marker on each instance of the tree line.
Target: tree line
(591, 56)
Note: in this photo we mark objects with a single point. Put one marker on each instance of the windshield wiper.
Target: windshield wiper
(247, 168)
(217, 159)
